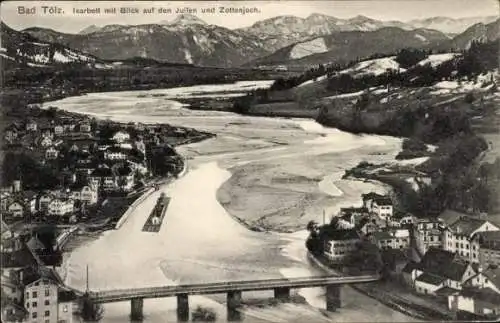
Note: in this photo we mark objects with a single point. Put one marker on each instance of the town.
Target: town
(447, 265)
(62, 173)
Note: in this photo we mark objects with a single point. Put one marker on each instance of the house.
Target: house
(115, 153)
(392, 238)
(368, 199)
(85, 126)
(489, 248)
(61, 206)
(58, 129)
(12, 132)
(51, 153)
(382, 206)
(353, 215)
(31, 125)
(44, 297)
(16, 208)
(482, 303)
(11, 289)
(428, 234)
(437, 270)
(13, 313)
(44, 200)
(17, 260)
(487, 278)
(338, 243)
(407, 220)
(121, 136)
(103, 177)
(5, 200)
(84, 193)
(369, 227)
(461, 236)
(46, 141)
(125, 178)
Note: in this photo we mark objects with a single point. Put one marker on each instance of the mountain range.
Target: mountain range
(279, 40)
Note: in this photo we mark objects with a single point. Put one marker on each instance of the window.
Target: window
(65, 308)
(35, 294)
(47, 313)
(47, 302)
(27, 295)
(47, 292)
(37, 283)
(27, 305)
(34, 304)
(33, 315)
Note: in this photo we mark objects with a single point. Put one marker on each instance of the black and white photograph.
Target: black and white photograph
(250, 161)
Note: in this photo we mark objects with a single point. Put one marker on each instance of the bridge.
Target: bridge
(281, 287)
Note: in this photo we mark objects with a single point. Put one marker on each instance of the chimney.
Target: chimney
(16, 186)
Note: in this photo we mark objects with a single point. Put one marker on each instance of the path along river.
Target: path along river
(288, 172)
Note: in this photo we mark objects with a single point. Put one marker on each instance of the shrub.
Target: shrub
(201, 314)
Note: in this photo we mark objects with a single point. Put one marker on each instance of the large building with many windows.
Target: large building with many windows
(339, 242)
(44, 297)
(462, 237)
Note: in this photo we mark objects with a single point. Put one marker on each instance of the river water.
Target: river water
(199, 240)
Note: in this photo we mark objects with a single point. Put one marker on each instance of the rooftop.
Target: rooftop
(449, 216)
(484, 294)
(443, 264)
(383, 201)
(490, 240)
(18, 259)
(330, 233)
(466, 225)
(371, 196)
(430, 279)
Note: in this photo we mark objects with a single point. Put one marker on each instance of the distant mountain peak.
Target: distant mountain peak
(186, 19)
(89, 29)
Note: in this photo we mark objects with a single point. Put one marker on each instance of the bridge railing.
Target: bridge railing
(150, 291)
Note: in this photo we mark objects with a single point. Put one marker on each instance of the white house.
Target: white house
(382, 207)
(44, 201)
(392, 238)
(428, 234)
(339, 243)
(488, 278)
(88, 195)
(61, 206)
(115, 153)
(461, 237)
(45, 299)
(121, 136)
(46, 142)
(58, 129)
(16, 209)
(438, 269)
(51, 153)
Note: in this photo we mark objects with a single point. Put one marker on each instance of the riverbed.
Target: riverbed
(271, 173)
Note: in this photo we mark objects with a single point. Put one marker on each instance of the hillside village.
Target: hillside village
(64, 172)
(70, 172)
(453, 259)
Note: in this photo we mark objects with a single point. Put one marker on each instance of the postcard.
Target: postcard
(252, 161)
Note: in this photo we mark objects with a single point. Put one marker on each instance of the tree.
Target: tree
(201, 314)
(90, 311)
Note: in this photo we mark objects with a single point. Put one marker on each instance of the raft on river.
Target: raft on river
(155, 219)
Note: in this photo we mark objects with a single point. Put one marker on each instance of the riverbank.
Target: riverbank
(387, 294)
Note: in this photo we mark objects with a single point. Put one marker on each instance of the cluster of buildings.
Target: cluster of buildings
(89, 165)
(454, 257)
(30, 291)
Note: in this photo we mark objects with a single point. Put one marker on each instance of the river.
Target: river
(275, 172)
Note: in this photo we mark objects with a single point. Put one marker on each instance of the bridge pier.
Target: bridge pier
(233, 303)
(182, 307)
(136, 305)
(333, 297)
(282, 293)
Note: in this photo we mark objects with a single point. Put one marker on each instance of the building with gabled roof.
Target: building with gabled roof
(483, 303)
(338, 243)
(438, 269)
(489, 248)
(462, 236)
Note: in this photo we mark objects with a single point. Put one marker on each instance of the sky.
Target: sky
(64, 18)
